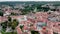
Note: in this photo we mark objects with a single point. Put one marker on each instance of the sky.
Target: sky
(28, 0)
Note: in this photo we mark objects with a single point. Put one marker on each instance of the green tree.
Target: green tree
(55, 33)
(1, 13)
(14, 24)
(45, 9)
(21, 26)
(34, 32)
(12, 13)
(4, 25)
(9, 18)
(9, 21)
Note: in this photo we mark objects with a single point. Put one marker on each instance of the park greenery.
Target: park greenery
(10, 23)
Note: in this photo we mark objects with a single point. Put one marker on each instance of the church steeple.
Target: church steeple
(35, 10)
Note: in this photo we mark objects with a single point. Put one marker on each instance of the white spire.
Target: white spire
(25, 17)
(35, 9)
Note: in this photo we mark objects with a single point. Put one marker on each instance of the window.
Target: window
(21, 26)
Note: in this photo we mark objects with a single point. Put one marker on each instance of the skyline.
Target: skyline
(28, 0)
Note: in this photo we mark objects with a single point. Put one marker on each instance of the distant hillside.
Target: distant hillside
(57, 3)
